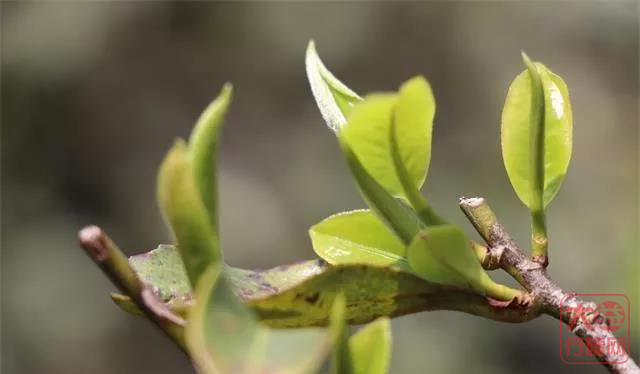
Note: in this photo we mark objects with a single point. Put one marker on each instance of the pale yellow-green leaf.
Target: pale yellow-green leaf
(357, 237)
(413, 124)
(516, 124)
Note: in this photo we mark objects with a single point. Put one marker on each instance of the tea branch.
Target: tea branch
(501, 252)
(550, 298)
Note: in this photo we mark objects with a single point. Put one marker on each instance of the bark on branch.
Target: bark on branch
(546, 294)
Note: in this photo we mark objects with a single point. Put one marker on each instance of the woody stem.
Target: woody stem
(546, 294)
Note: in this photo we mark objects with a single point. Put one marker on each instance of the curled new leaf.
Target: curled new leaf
(442, 254)
(537, 135)
(334, 99)
(182, 207)
(203, 148)
(357, 237)
(224, 336)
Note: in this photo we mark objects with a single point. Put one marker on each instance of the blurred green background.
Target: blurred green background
(93, 95)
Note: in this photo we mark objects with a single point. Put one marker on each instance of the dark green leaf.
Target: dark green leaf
(302, 294)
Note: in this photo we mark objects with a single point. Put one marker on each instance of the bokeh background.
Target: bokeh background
(93, 95)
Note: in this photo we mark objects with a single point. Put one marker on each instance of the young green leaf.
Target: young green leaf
(391, 136)
(333, 98)
(394, 213)
(410, 141)
(549, 112)
(224, 337)
(369, 134)
(412, 127)
(370, 348)
(357, 237)
(442, 254)
(203, 148)
(182, 207)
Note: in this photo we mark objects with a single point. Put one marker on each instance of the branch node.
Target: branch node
(543, 261)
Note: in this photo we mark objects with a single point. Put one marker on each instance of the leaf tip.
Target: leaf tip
(311, 46)
(531, 66)
(227, 91)
(311, 54)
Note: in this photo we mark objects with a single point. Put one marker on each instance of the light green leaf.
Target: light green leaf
(370, 348)
(357, 237)
(410, 141)
(334, 99)
(518, 118)
(413, 124)
(203, 147)
(391, 136)
(368, 134)
(183, 210)
(224, 337)
(442, 254)
(395, 214)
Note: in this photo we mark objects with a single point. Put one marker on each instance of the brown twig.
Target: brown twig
(116, 266)
(546, 294)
